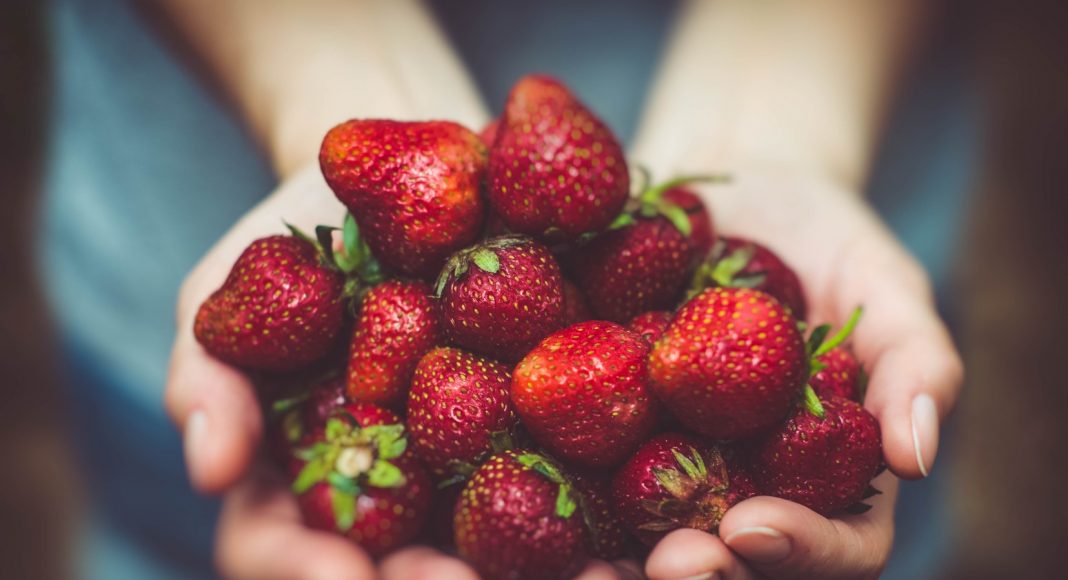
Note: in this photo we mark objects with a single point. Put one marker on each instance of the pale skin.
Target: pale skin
(787, 97)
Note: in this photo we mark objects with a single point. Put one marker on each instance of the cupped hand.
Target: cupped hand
(845, 257)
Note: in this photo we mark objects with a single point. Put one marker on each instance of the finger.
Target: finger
(260, 536)
(783, 539)
(916, 373)
(215, 407)
(419, 562)
(694, 555)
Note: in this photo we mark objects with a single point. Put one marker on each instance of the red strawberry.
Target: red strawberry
(280, 308)
(519, 517)
(606, 535)
(360, 482)
(644, 262)
(555, 168)
(651, 325)
(412, 186)
(576, 309)
(583, 393)
(675, 481)
(397, 324)
(291, 420)
(736, 262)
(823, 457)
(702, 233)
(731, 364)
(501, 297)
(488, 134)
(840, 376)
(457, 404)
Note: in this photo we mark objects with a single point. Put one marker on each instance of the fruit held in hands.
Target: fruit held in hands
(359, 480)
(413, 187)
(650, 325)
(731, 364)
(676, 481)
(519, 517)
(583, 393)
(741, 263)
(458, 404)
(840, 376)
(822, 462)
(397, 324)
(555, 169)
(501, 297)
(279, 309)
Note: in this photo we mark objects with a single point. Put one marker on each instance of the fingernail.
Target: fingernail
(924, 430)
(705, 576)
(760, 544)
(196, 437)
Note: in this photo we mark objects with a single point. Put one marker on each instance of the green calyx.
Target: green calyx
(720, 269)
(652, 203)
(567, 500)
(483, 256)
(354, 259)
(696, 488)
(349, 459)
(818, 345)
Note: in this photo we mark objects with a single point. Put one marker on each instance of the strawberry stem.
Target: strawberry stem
(842, 333)
(812, 402)
(652, 194)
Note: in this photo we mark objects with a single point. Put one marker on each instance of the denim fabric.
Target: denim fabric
(147, 167)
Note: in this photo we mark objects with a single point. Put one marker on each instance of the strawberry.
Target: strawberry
(650, 325)
(488, 134)
(606, 536)
(413, 187)
(731, 364)
(643, 263)
(576, 309)
(359, 481)
(823, 457)
(583, 393)
(702, 233)
(280, 308)
(457, 406)
(501, 297)
(519, 517)
(737, 262)
(290, 420)
(398, 323)
(675, 481)
(555, 169)
(841, 375)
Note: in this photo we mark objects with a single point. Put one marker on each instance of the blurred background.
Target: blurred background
(981, 203)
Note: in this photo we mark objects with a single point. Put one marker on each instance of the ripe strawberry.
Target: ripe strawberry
(398, 323)
(841, 376)
(643, 263)
(290, 420)
(457, 405)
(501, 297)
(676, 481)
(519, 517)
(702, 233)
(412, 186)
(583, 393)
(650, 325)
(576, 309)
(280, 308)
(606, 536)
(736, 262)
(359, 481)
(824, 456)
(555, 169)
(731, 364)
(488, 134)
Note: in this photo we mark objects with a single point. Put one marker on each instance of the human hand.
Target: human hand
(845, 257)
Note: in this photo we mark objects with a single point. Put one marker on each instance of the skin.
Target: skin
(802, 151)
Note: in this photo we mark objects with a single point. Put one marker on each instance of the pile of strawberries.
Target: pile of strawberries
(541, 366)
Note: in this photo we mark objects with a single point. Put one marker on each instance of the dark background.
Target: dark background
(1008, 435)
